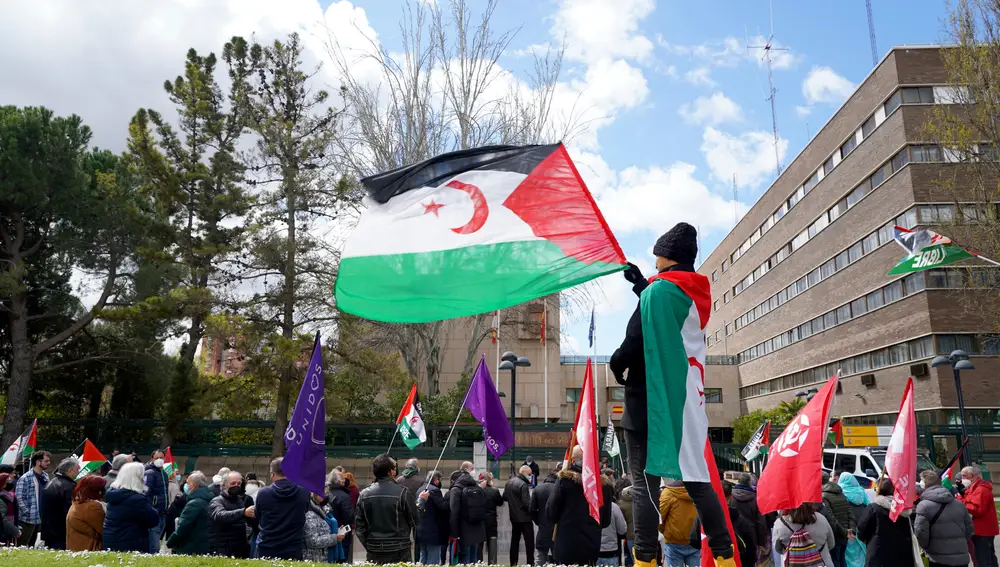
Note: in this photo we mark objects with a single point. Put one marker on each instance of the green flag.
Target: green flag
(926, 249)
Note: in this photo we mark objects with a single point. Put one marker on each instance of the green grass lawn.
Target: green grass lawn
(15, 557)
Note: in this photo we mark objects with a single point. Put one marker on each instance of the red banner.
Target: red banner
(901, 455)
(706, 552)
(795, 460)
(586, 437)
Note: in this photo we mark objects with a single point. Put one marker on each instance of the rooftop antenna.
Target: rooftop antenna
(871, 33)
(768, 47)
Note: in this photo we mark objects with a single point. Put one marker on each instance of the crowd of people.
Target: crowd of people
(407, 515)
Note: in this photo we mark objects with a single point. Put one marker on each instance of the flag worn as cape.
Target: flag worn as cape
(707, 559)
(471, 232)
(675, 310)
(92, 459)
(901, 455)
(484, 404)
(925, 249)
(305, 439)
(411, 421)
(757, 446)
(792, 474)
(586, 437)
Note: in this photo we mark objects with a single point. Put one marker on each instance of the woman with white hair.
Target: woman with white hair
(130, 516)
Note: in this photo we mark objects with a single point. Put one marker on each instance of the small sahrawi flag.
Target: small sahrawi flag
(926, 249)
(471, 232)
(757, 446)
(169, 464)
(411, 421)
(92, 459)
(611, 440)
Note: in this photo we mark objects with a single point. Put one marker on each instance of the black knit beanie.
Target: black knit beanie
(679, 244)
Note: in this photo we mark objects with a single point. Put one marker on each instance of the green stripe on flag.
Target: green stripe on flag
(930, 257)
(444, 284)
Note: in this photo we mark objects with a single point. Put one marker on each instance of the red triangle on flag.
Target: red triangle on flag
(91, 453)
(32, 437)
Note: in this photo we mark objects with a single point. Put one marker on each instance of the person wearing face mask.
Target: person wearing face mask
(433, 527)
(191, 535)
(978, 500)
(8, 511)
(156, 491)
(229, 514)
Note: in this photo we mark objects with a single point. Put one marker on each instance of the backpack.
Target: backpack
(801, 550)
(474, 504)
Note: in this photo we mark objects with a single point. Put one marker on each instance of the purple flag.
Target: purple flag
(305, 439)
(484, 404)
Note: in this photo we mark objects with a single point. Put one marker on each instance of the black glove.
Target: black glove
(633, 274)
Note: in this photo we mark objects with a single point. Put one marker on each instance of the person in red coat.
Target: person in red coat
(978, 500)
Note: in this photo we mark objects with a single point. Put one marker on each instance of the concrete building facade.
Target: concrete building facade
(800, 287)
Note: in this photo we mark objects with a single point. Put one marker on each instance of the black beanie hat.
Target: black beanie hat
(679, 244)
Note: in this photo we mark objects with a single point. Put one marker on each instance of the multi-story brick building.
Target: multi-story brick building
(800, 287)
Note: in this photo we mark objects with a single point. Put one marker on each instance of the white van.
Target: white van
(865, 464)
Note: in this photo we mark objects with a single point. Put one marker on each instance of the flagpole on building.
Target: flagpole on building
(545, 357)
(498, 339)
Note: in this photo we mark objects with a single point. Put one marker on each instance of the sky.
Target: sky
(672, 94)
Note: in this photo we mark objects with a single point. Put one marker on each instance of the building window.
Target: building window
(859, 307)
(893, 103)
(893, 291)
(848, 146)
(729, 329)
(925, 153)
(708, 340)
(875, 300)
(718, 335)
(725, 297)
(810, 183)
(573, 395)
(715, 275)
(879, 176)
(918, 95)
(867, 128)
(616, 394)
(716, 304)
(725, 266)
(828, 166)
(713, 395)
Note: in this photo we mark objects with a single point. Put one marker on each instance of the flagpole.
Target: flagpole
(498, 340)
(453, 425)
(391, 441)
(985, 259)
(545, 357)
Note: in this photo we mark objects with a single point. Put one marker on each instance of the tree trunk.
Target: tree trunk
(22, 363)
(179, 397)
(288, 319)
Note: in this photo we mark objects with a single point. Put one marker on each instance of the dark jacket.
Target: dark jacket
(946, 541)
(889, 543)
(834, 499)
(631, 357)
(839, 531)
(746, 537)
(156, 488)
(577, 535)
(8, 517)
(539, 501)
(339, 501)
(494, 500)
(191, 535)
(517, 494)
(55, 505)
(461, 526)
(413, 482)
(385, 517)
(281, 514)
(625, 503)
(745, 503)
(434, 518)
(227, 526)
(174, 512)
(128, 521)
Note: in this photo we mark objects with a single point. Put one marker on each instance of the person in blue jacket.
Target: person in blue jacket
(130, 516)
(156, 491)
(281, 514)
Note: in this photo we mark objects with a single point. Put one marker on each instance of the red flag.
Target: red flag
(586, 437)
(765, 438)
(901, 455)
(795, 460)
(706, 552)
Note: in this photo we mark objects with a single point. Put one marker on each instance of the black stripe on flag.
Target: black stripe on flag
(437, 170)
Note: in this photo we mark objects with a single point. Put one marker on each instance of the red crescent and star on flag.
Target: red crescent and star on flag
(481, 208)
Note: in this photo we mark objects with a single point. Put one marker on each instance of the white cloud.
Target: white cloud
(782, 57)
(824, 85)
(595, 29)
(700, 77)
(803, 111)
(750, 156)
(730, 52)
(714, 110)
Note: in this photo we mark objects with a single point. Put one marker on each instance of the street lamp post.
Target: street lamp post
(958, 360)
(510, 361)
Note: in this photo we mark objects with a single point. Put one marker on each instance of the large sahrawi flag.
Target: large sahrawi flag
(675, 310)
(925, 249)
(471, 232)
(411, 421)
